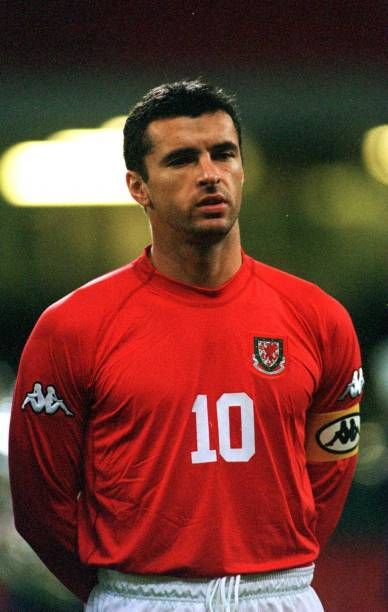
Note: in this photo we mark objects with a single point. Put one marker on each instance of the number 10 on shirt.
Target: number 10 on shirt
(204, 454)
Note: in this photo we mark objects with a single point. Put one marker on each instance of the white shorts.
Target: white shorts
(282, 591)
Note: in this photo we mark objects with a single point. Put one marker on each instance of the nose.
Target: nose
(208, 172)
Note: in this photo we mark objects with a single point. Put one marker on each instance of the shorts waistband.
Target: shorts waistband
(196, 589)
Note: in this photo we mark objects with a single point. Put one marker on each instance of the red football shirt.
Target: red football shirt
(159, 427)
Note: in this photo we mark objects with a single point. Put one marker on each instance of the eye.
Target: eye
(181, 160)
(224, 155)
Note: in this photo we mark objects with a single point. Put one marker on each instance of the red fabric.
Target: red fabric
(351, 574)
(142, 362)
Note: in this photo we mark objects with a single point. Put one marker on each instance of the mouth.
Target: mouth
(212, 200)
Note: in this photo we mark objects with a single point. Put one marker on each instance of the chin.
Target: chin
(207, 236)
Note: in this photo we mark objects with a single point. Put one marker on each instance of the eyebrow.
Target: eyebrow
(177, 153)
(217, 148)
(227, 145)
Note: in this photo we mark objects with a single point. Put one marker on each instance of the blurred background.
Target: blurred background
(311, 80)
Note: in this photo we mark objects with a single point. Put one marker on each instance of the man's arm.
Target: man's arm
(330, 484)
(46, 450)
(333, 421)
(331, 449)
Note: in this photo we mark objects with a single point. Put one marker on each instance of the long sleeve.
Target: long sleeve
(49, 416)
(330, 484)
(333, 422)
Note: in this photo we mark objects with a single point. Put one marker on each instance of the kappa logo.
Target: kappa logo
(341, 435)
(42, 402)
(268, 355)
(355, 387)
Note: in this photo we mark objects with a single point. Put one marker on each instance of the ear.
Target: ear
(137, 188)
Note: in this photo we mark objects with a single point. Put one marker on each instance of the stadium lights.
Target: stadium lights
(70, 168)
(375, 152)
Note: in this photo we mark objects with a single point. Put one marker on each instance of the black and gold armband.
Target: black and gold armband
(331, 436)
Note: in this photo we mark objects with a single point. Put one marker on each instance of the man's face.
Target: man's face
(195, 177)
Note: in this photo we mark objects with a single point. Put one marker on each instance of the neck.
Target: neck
(198, 264)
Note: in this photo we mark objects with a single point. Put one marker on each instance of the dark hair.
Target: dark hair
(183, 98)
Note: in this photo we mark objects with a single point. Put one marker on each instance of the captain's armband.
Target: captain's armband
(331, 436)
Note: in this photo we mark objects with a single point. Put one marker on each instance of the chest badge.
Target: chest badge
(268, 355)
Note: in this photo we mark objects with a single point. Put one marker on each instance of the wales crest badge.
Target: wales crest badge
(268, 355)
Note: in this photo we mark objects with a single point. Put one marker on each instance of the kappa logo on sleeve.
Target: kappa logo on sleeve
(331, 436)
(341, 435)
(47, 403)
(355, 387)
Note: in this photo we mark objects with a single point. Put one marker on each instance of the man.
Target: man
(209, 417)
